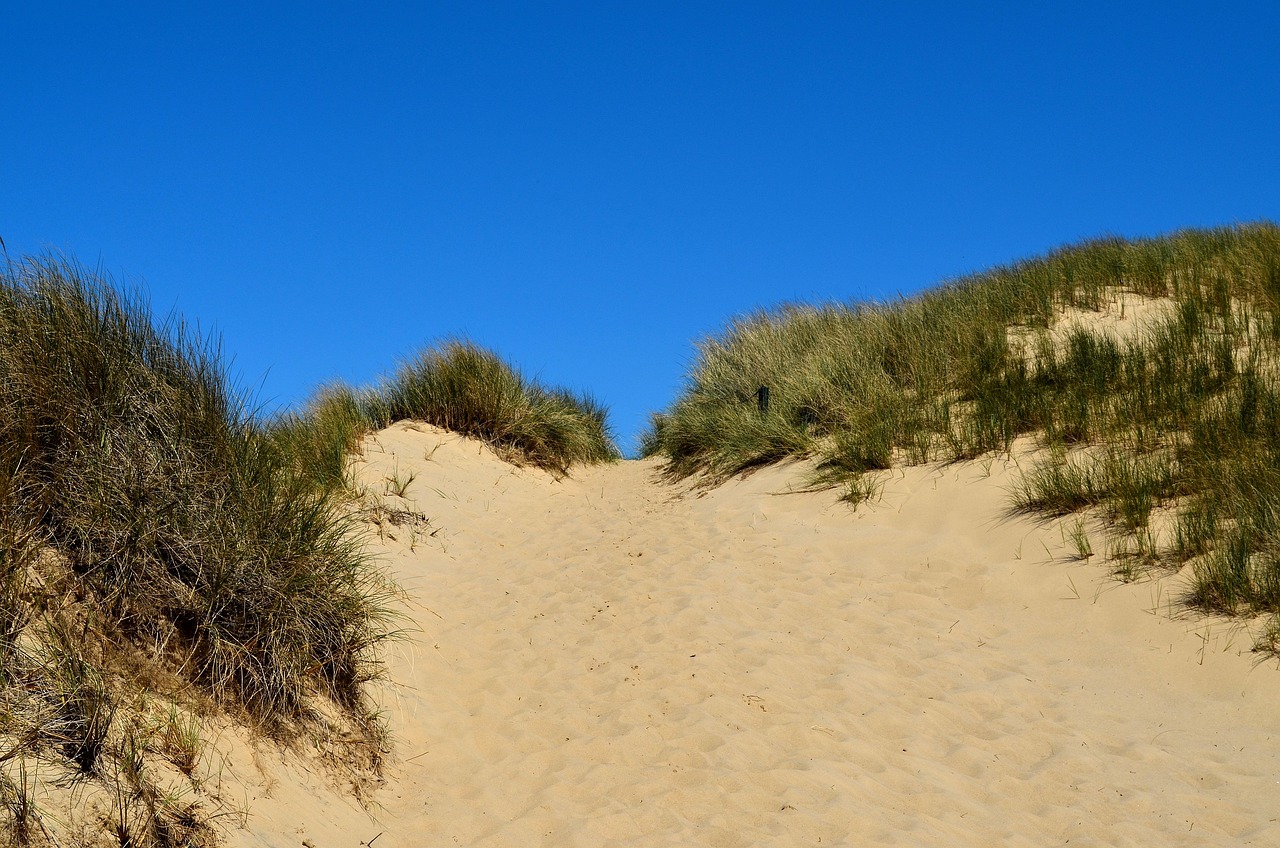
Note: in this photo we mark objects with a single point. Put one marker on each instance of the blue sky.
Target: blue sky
(588, 188)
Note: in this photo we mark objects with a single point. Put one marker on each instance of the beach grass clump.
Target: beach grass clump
(462, 387)
(457, 386)
(185, 533)
(1179, 412)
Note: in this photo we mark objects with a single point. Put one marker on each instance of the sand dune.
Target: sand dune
(613, 660)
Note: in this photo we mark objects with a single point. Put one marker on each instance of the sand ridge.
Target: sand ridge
(610, 659)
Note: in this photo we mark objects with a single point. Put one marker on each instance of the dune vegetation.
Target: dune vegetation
(166, 550)
(1169, 436)
(457, 386)
(162, 543)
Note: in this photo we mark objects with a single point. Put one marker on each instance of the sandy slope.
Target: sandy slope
(612, 660)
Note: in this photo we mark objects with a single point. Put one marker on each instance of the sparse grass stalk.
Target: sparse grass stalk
(1080, 543)
(179, 739)
(863, 489)
(23, 822)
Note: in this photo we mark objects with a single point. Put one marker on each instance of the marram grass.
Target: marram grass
(1183, 417)
(457, 386)
(155, 537)
(464, 388)
(179, 523)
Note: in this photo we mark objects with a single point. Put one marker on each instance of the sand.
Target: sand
(615, 660)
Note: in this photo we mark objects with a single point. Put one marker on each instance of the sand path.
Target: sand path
(612, 660)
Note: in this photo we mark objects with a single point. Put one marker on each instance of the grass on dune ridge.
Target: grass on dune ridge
(460, 387)
(1181, 420)
(157, 534)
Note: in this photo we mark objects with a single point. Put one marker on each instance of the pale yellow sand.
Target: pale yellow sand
(610, 660)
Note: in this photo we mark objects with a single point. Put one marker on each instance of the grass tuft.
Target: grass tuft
(457, 386)
(187, 533)
(461, 387)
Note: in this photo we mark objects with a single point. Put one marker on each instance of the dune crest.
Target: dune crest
(610, 659)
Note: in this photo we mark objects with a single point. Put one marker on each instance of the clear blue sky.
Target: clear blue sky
(590, 187)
